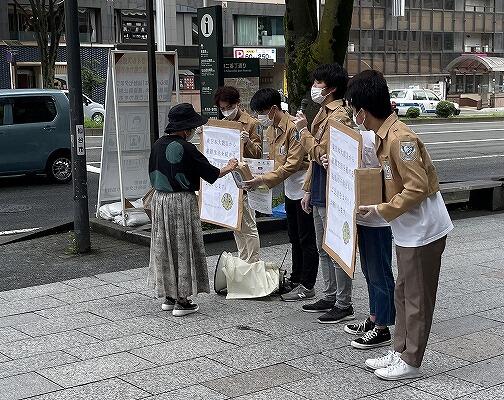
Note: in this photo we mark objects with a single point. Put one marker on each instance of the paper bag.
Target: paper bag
(369, 186)
(242, 173)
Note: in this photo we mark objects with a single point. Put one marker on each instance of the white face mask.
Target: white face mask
(265, 120)
(361, 126)
(230, 114)
(316, 95)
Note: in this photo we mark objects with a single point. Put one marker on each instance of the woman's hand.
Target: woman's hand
(245, 136)
(369, 211)
(253, 183)
(305, 203)
(324, 160)
(231, 165)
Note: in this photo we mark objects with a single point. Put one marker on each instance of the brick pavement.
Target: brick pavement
(105, 337)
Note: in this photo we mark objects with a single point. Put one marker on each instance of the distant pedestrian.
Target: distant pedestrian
(178, 267)
(417, 215)
(227, 98)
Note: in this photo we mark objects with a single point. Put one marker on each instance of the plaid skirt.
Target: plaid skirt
(177, 267)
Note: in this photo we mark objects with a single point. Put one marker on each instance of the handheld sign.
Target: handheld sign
(221, 203)
(340, 235)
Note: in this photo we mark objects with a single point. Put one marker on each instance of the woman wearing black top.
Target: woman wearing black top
(178, 267)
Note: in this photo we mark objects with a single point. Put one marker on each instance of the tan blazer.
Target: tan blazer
(285, 149)
(253, 148)
(408, 172)
(315, 141)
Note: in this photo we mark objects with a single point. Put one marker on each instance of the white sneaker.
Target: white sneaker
(383, 362)
(399, 370)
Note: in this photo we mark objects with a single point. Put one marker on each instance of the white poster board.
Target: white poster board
(260, 199)
(124, 172)
(221, 203)
(340, 234)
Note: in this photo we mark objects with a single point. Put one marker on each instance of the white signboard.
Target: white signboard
(124, 169)
(249, 52)
(221, 203)
(340, 238)
(260, 199)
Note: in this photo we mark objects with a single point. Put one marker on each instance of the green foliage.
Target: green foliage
(90, 78)
(89, 123)
(413, 112)
(445, 109)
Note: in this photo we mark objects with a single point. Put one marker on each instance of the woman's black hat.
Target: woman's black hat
(183, 117)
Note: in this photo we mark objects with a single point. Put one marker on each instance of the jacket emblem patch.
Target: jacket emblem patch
(408, 151)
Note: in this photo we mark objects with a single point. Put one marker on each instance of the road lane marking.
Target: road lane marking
(93, 148)
(93, 162)
(465, 141)
(469, 158)
(95, 170)
(457, 123)
(459, 131)
(17, 231)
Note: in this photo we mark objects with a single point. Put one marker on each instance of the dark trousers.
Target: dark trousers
(375, 250)
(415, 298)
(301, 232)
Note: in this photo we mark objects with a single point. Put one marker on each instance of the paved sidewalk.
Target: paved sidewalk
(104, 337)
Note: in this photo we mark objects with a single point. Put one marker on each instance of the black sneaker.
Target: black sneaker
(319, 306)
(337, 315)
(168, 304)
(373, 338)
(361, 327)
(184, 309)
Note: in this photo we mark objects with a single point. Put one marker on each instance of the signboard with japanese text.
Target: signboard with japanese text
(250, 52)
(222, 202)
(260, 199)
(210, 57)
(243, 74)
(340, 235)
(124, 172)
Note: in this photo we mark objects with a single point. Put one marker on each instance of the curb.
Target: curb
(141, 236)
(52, 230)
(449, 120)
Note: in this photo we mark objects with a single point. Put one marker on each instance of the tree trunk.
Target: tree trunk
(306, 47)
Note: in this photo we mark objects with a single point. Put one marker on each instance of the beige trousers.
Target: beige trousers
(415, 297)
(247, 240)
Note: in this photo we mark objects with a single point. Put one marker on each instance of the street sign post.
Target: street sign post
(79, 171)
(210, 60)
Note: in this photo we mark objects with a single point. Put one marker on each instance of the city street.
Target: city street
(461, 151)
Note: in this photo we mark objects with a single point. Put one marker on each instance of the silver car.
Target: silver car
(92, 110)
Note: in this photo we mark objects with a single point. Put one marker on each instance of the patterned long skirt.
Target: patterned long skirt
(178, 267)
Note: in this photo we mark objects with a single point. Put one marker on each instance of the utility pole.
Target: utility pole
(79, 172)
(151, 71)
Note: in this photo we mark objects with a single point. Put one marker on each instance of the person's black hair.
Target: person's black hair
(228, 94)
(264, 99)
(369, 90)
(334, 76)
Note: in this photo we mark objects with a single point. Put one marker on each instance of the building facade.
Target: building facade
(413, 50)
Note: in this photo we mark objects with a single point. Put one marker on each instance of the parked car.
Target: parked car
(91, 109)
(35, 133)
(423, 99)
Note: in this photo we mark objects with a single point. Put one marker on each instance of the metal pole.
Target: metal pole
(79, 173)
(160, 25)
(151, 70)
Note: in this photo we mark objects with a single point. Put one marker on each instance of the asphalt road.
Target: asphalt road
(461, 152)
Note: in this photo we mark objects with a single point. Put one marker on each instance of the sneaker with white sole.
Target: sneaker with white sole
(168, 304)
(179, 310)
(372, 339)
(298, 293)
(360, 327)
(398, 371)
(383, 362)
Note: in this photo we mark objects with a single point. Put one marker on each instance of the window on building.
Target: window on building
(88, 25)
(366, 43)
(426, 41)
(30, 110)
(414, 41)
(448, 41)
(437, 41)
(195, 30)
(449, 4)
(19, 24)
(262, 31)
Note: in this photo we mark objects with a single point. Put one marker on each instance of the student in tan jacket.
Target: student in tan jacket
(417, 215)
(291, 163)
(227, 99)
